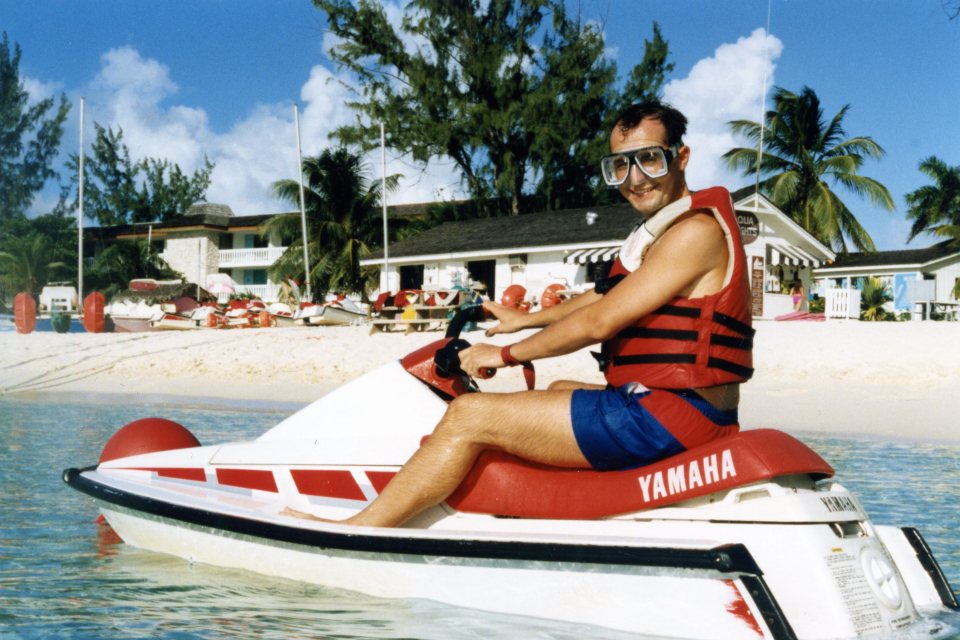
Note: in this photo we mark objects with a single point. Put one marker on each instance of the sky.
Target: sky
(188, 79)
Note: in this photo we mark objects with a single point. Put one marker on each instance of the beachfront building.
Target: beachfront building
(208, 239)
(574, 247)
(921, 282)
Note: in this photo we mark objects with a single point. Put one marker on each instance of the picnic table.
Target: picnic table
(413, 317)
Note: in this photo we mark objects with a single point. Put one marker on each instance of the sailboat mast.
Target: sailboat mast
(80, 214)
(763, 95)
(383, 200)
(303, 208)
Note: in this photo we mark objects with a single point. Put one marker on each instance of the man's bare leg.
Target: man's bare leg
(572, 385)
(534, 425)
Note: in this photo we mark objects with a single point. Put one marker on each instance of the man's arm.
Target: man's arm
(512, 319)
(690, 257)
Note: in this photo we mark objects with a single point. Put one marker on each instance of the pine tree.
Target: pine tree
(29, 137)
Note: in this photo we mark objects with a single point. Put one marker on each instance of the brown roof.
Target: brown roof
(896, 258)
(612, 224)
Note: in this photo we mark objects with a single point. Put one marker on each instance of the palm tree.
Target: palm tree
(343, 223)
(26, 264)
(124, 261)
(801, 154)
(935, 208)
(872, 298)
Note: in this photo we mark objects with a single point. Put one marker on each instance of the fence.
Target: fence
(842, 304)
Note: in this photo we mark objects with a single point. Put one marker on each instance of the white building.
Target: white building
(209, 239)
(918, 280)
(576, 246)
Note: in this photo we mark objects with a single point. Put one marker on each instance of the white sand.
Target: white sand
(886, 379)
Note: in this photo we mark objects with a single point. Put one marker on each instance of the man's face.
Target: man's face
(649, 195)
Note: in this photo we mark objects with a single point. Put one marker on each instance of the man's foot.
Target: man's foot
(303, 515)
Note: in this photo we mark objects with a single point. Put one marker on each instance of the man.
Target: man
(677, 322)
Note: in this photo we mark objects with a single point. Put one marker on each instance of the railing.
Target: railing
(266, 292)
(263, 257)
(842, 303)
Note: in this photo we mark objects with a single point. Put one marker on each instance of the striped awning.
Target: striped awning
(583, 256)
(782, 253)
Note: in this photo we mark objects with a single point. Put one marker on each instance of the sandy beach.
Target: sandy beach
(896, 380)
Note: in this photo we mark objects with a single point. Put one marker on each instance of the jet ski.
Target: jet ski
(750, 536)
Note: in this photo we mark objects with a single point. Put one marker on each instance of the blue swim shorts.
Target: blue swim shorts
(632, 426)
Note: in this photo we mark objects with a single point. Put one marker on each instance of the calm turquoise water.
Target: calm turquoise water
(63, 576)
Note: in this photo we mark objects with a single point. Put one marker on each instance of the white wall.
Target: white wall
(946, 276)
(540, 271)
(195, 256)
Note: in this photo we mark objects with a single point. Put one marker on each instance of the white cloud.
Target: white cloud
(129, 94)
(724, 87)
(134, 93)
(39, 90)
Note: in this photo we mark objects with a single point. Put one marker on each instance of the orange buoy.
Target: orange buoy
(147, 435)
(93, 318)
(265, 319)
(550, 296)
(24, 312)
(513, 296)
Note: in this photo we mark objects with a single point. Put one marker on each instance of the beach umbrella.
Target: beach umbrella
(220, 285)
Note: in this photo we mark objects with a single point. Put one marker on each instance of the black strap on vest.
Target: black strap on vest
(731, 367)
(744, 341)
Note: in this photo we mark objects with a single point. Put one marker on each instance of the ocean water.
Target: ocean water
(63, 576)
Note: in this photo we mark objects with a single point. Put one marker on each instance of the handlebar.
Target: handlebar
(473, 313)
(447, 358)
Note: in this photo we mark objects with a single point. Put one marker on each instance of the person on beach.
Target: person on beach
(674, 323)
(796, 293)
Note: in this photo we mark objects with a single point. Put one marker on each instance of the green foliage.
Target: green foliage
(55, 258)
(344, 221)
(26, 265)
(438, 213)
(872, 298)
(935, 208)
(29, 137)
(803, 156)
(517, 94)
(646, 80)
(118, 190)
(123, 261)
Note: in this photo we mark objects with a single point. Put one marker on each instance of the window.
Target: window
(255, 276)
(411, 276)
(254, 241)
(484, 272)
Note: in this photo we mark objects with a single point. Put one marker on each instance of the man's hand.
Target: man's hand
(511, 318)
(480, 357)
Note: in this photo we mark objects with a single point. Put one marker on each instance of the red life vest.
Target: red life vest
(688, 342)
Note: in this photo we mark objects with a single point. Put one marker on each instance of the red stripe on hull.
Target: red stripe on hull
(740, 609)
(257, 479)
(380, 479)
(197, 475)
(327, 484)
